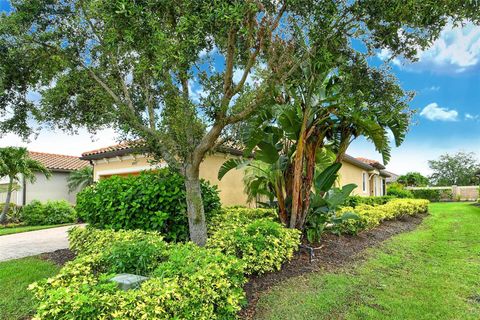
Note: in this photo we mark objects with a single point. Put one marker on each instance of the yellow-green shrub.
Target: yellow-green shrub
(372, 216)
(186, 282)
(91, 240)
(255, 237)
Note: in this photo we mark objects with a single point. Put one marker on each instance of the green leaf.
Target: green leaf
(267, 152)
(325, 180)
(231, 164)
(337, 197)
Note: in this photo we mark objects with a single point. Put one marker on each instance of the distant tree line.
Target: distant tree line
(460, 169)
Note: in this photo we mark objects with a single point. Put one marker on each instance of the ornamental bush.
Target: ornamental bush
(186, 281)
(398, 190)
(90, 240)
(152, 201)
(254, 236)
(354, 201)
(371, 216)
(14, 212)
(51, 212)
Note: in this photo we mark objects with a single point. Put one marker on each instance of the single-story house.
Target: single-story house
(43, 189)
(369, 175)
(122, 159)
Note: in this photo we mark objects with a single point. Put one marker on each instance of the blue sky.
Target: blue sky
(446, 80)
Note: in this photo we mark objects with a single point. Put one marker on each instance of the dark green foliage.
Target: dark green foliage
(413, 179)
(152, 201)
(354, 201)
(434, 195)
(459, 169)
(135, 256)
(397, 190)
(51, 212)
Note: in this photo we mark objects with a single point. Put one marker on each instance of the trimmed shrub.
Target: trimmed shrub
(152, 201)
(51, 212)
(433, 195)
(255, 238)
(372, 216)
(398, 190)
(91, 240)
(186, 281)
(354, 201)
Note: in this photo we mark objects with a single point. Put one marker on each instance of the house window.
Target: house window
(384, 187)
(364, 181)
(375, 189)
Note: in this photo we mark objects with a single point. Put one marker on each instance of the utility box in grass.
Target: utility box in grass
(127, 281)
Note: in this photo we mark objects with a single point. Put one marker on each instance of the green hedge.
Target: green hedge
(371, 216)
(153, 201)
(434, 195)
(398, 190)
(185, 281)
(50, 212)
(354, 201)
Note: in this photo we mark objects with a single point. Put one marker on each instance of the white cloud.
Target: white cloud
(386, 55)
(434, 112)
(469, 116)
(457, 48)
(433, 88)
(62, 143)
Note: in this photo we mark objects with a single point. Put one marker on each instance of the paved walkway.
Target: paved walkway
(32, 243)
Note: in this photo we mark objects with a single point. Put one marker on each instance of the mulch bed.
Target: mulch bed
(332, 253)
(59, 257)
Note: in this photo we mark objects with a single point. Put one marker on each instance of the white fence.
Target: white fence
(459, 193)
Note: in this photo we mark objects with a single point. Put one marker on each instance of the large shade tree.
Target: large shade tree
(459, 169)
(178, 74)
(15, 165)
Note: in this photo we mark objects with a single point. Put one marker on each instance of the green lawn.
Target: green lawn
(430, 273)
(11, 230)
(15, 276)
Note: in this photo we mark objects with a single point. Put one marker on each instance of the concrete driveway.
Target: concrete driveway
(32, 243)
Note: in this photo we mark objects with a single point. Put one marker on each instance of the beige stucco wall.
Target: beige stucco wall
(353, 174)
(231, 186)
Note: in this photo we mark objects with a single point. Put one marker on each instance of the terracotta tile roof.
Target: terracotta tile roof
(130, 147)
(58, 161)
(373, 163)
(115, 147)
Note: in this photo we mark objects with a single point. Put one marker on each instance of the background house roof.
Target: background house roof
(373, 163)
(125, 148)
(58, 162)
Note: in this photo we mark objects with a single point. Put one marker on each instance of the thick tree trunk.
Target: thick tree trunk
(298, 173)
(3, 216)
(311, 150)
(195, 210)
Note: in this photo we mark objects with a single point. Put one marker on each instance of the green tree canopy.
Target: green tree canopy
(16, 163)
(459, 169)
(413, 179)
(177, 75)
